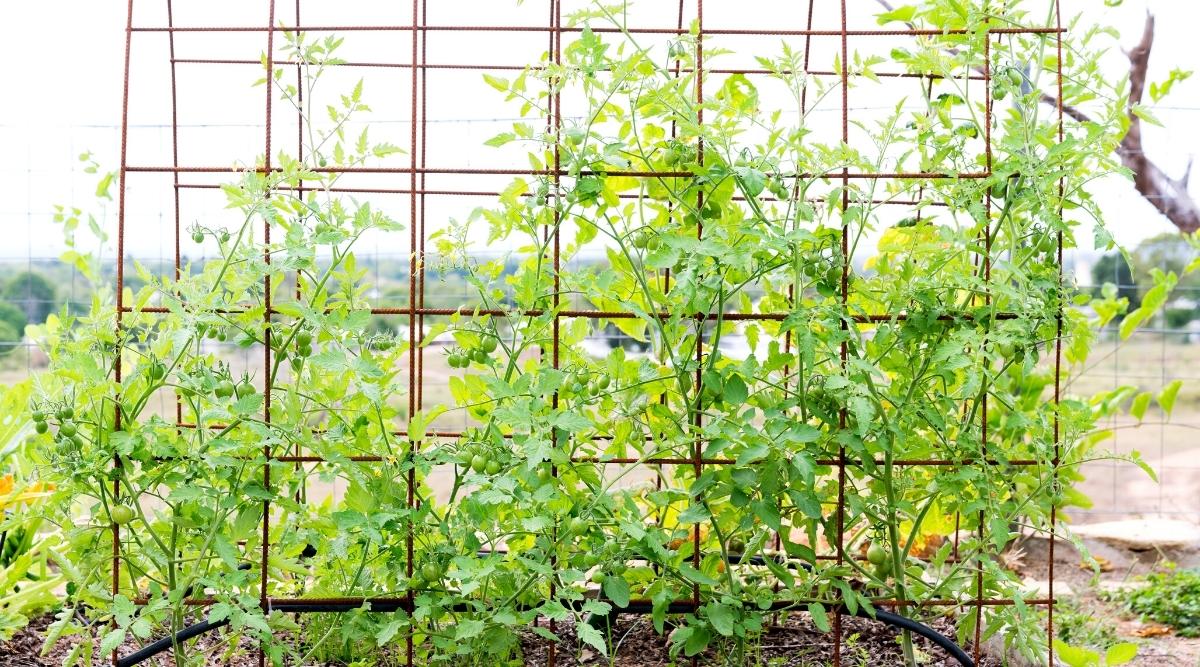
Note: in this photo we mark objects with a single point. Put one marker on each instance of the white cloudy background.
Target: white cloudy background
(65, 75)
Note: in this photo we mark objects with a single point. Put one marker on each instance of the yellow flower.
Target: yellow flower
(34, 491)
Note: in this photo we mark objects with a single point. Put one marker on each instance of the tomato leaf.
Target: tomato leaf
(592, 637)
(820, 619)
(617, 590)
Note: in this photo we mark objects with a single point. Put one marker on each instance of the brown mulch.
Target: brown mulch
(24, 650)
(796, 642)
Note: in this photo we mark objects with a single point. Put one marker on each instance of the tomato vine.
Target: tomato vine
(791, 474)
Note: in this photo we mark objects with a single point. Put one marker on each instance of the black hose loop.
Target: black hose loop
(892, 619)
(150, 650)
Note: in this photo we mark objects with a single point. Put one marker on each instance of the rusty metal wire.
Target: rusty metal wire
(418, 192)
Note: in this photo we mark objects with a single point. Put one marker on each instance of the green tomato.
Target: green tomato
(598, 577)
(304, 337)
(1015, 77)
(1048, 243)
(157, 371)
(65, 413)
(224, 389)
(883, 571)
(121, 514)
(967, 130)
(685, 383)
(602, 382)
(576, 135)
(67, 429)
(876, 555)
(479, 356)
(488, 344)
(297, 364)
(652, 243)
(224, 236)
(492, 467)
(640, 239)
(304, 350)
(41, 427)
(431, 572)
(479, 463)
(38, 416)
(577, 525)
(453, 360)
(198, 237)
(244, 389)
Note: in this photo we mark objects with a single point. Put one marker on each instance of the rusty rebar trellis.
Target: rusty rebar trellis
(416, 174)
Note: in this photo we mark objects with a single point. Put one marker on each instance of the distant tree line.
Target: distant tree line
(1165, 252)
(27, 297)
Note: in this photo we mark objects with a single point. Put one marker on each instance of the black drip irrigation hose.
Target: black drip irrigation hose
(150, 650)
(634, 607)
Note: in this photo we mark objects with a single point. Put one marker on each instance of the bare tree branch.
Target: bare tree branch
(1167, 195)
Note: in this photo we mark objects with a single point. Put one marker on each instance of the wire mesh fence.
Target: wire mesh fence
(157, 202)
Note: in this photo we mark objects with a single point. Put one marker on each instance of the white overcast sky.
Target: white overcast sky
(63, 96)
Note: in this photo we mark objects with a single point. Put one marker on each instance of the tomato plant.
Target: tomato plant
(890, 321)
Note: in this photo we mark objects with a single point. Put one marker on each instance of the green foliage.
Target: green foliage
(12, 327)
(1074, 656)
(9, 338)
(1078, 626)
(1172, 598)
(1168, 253)
(33, 294)
(12, 316)
(873, 363)
(28, 584)
(1113, 268)
(1159, 90)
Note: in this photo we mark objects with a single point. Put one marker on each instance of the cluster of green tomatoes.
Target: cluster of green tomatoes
(221, 235)
(223, 389)
(645, 240)
(304, 349)
(476, 457)
(581, 383)
(480, 354)
(68, 431)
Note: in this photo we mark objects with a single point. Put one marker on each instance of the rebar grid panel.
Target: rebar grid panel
(186, 176)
